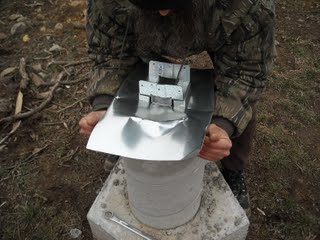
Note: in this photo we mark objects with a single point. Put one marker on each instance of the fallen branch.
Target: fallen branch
(37, 109)
(19, 100)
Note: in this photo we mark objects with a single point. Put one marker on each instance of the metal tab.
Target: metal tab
(174, 94)
(164, 91)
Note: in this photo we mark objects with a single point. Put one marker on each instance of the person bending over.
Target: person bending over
(239, 38)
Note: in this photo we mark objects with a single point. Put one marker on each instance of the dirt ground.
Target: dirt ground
(48, 180)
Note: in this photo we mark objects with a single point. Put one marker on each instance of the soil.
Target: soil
(48, 180)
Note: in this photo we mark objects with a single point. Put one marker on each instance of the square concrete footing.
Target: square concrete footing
(220, 216)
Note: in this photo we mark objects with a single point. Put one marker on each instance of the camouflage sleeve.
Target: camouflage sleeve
(242, 64)
(109, 36)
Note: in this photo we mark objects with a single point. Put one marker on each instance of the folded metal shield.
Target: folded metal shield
(162, 118)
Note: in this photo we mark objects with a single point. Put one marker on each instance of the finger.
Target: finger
(86, 127)
(217, 136)
(214, 156)
(219, 152)
(85, 132)
(92, 120)
(94, 117)
(215, 133)
(213, 153)
(83, 122)
(210, 157)
(221, 144)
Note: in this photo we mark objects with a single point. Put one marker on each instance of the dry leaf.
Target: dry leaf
(56, 48)
(34, 136)
(7, 71)
(14, 17)
(38, 81)
(26, 38)
(19, 103)
(37, 67)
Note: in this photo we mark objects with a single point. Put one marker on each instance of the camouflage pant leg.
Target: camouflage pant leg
(241, 147)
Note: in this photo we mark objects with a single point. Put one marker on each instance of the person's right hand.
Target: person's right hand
(88, 122)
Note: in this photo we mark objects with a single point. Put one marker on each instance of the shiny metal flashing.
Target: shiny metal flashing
(162, 118)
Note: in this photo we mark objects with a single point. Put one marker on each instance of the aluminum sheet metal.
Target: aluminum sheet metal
(157, 132)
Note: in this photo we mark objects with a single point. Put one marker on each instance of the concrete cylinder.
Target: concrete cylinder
(164, 194)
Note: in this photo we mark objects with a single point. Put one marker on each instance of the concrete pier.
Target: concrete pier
(220, 217)
(164, 194)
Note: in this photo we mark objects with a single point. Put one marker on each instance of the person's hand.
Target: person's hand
(216, 145)
(88, 122)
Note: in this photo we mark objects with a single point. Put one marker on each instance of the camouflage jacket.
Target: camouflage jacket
(238, 35)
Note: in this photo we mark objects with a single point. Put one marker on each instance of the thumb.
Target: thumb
(216, 133)
(94, 117)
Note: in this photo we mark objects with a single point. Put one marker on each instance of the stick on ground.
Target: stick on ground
(37, 109)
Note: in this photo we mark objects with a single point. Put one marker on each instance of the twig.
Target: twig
(69, 64)
(66, 71)
(67, 158)
(66, 82)
(28, 158)
(2, 204)
(70, 106)
(70, 156)
(4, 179)
(54, 123)
(14, 129)
(79, 70)
(35, 4)
(42, 58)
(85, 185)
(19, 101)
(301, 169)
(19, 175)
(37, 109)
(78, 63)
(75, 81)
(262, 212)
(25, 78)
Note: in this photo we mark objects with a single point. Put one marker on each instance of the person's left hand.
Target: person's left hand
(216, 144)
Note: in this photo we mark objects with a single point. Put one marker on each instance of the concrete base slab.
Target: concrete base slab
(220, 216)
